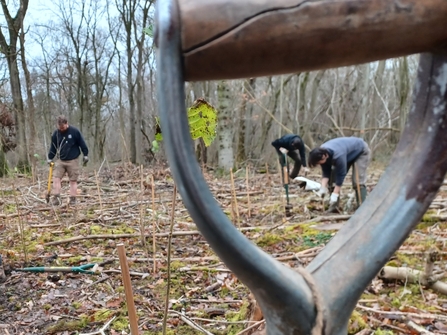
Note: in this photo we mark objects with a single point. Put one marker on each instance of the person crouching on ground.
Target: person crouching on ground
(336, 156)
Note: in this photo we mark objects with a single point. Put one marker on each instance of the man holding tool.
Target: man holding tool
(290, 145)
(66, 146)
(336, 156)
(50, 176)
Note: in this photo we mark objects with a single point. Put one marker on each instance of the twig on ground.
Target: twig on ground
(405, 314)
(101, 331)
(419, 329)
(191, 323)
(257, 324)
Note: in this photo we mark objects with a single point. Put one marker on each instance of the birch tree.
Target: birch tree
(224, 127)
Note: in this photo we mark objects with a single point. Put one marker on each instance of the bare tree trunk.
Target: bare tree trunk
(224, 127)
(3, 162)
(10, 51)
(404, 91)
(302, 127)
(365, 98)
(281, 107)
(124, 149)
(376, 101)
(249, 124)
(241, 126)
(310, 113)
(31, 110)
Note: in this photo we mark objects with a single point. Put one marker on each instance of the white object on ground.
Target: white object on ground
(310, 184)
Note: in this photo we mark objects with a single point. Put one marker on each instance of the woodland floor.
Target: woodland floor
(117, 206)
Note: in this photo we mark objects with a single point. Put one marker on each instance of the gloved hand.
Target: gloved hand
(322, 191)
(49, 161)
(334, 198)
(85, 160)
(284, 150)
(306, 170)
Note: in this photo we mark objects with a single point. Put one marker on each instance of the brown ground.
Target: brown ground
(115, 207)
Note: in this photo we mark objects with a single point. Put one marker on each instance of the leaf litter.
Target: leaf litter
(121, 204)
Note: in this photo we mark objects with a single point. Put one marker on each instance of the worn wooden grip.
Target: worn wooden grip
(228, 39)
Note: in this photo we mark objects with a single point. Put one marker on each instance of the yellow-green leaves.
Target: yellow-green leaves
(202, 119)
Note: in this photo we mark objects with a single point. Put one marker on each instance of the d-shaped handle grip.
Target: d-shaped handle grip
(228, 39)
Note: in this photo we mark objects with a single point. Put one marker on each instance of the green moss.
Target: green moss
(96, 260)
(74, 260)
(120, 323)
(409, 295)
(175, 265)
(102, 315)
(95, 230)
(268, 239)
(67, 326)
(9, 208)
(407, 260)
(224, 292)
(315, 240)
(76, 304)
(393, 263)
(356, 323)
(237, 316)
(381, 331)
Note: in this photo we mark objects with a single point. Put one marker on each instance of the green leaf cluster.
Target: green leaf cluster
(202, 119)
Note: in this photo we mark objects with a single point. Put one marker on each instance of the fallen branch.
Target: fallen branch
(132, 273)
(417, 328)
(405, 315)
(253, 326)
(411, 276)
(202, 268)
(101, 331)
(190, 323)
(326, 218)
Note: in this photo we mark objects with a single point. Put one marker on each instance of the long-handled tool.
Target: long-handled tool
(285, 182)
(50, 175)
(76, 269)
(357, 181)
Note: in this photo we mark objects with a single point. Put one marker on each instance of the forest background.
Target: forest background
(93, 61)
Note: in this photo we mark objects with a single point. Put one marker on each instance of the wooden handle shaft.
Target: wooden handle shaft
(133, 319)
(228, 39)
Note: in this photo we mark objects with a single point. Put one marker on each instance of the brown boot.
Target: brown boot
(72, 201)
(56, 200)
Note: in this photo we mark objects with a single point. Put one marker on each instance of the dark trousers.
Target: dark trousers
(296, 165)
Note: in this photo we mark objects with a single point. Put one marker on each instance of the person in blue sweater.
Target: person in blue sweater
(336, 156)
(291, 145)
(66, 146)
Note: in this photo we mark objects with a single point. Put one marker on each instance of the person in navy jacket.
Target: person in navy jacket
(66, 146)
(293, 146)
